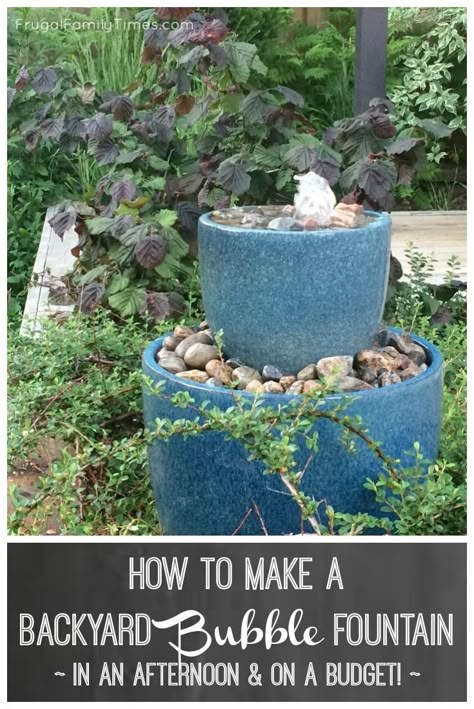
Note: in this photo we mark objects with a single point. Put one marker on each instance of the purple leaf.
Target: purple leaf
(90, 297)
(63, 220)
(165, 306)
(21, 79)
(75, 127)
(151, 251)
(99, 127)
(120, 106)
(31, 139)
(44, 80)
(123, 189)
(233, 177)
(155, 38)
(166, 115)
(106, 152)
(122, 224)
(52, 128)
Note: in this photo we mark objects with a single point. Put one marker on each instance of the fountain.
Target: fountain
(297, 298)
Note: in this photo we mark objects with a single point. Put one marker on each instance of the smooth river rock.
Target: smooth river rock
(183, 331)
(271, 373)
(287, 381)
(382, 358)
(171, 362)
(255, 386)
(198, 355)
(195, 375)
(244, 375)
(194, 339)
(352, 384)
(334, 366)
(218, 370)
(404, 344)
(272, 387)
(308, 372)
(171, 342)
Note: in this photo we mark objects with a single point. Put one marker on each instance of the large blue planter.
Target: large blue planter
(288, 298)
(205, 485)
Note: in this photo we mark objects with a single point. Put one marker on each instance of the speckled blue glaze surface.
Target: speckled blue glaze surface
(288, 298)
(205, 485)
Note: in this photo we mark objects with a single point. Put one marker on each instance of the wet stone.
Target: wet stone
(254, 221)
(272, 387)
(213, 382)
(194, 375)
(308, 372)
(283, 223)
(171, 342)
(255, 386)
(296, 388)
(367, 374)
(198, 355)
(243, 375)
(218, 370)
(195, 338)
(352, 384)
(311, 385)
(269, 372)
(234, 362)
(404, 344)
(183, 331)
(409, 372)
(387, 378)
(381, 338)
(172, 363)
(377, 359)
(334, 366)
(287, 381)
(204, 325)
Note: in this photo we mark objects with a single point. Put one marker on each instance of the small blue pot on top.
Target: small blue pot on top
(291, 297)
(205, 485)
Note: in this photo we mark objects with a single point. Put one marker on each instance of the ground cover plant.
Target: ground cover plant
(80, 384)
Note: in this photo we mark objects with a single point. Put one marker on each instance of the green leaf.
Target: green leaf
(158, 163)
(283, 178)
(157, 183)
(254, 106)
(128, 302)
(301, 157)
(437, 128)
(118, 282)
(133, 235)
(93, 274)
(167, 217)
(259, 66)
(267, 157)
(99, 225)
(241, 56)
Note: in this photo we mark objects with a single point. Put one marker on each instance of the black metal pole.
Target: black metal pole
(370, 56)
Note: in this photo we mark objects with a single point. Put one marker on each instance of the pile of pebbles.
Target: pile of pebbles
(283, 218)
(190, 353)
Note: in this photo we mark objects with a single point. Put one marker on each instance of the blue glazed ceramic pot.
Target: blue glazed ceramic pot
(288, 298)
(205, 485)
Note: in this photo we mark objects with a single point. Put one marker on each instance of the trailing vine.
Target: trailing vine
(270, 435)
